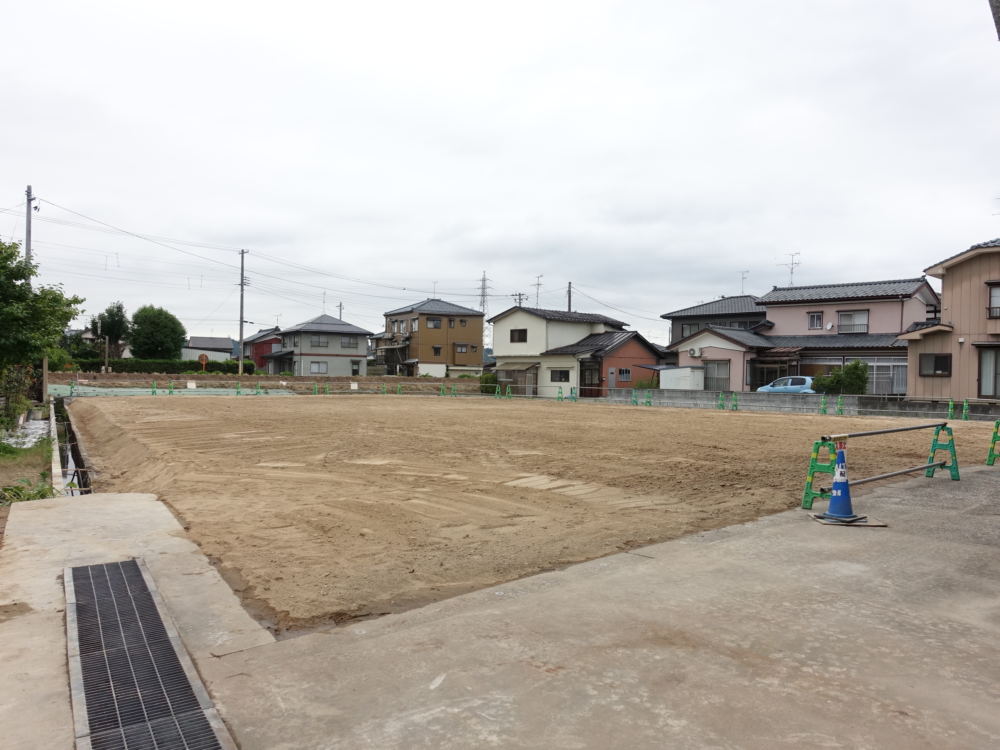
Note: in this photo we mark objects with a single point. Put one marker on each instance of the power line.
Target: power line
(618, 309)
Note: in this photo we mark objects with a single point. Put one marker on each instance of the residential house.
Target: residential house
(324, 345)
(216, 348)
(539, 351)
(728, 312)
(810, 330)
(257, 345)
(432, 337)
(958, 354)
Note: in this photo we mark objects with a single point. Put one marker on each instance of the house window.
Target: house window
(815, 320)
(436, 350)
(317, 368)
(935, 365)
(560, 376)
(518, 335)
(295, 341)
(461, 348)
(475, 348)
(688, 328)
(852, 321)
(286, 342)
(348, 342)
(319, 341)
(994, 308)
(355, 367)
(989, 372)
(624, 374)
(434, 322)
(463, 323)
(451, 322)
(716, 374)
(413, 324)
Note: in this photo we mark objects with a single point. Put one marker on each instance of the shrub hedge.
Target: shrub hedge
(165, 366)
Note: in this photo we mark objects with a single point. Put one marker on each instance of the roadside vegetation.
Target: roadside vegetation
(25, 473)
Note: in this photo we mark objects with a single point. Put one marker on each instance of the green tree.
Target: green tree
(852, 378)
(156, 334)
(78, 347)
(114, 324)
(32, 322)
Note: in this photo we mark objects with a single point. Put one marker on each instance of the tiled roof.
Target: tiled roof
(840, 341)
(827, 341)
(263, 333)
(595, 342)
(980, 246)
(742, 335)
(922, 324)
(210, 342)
(326, 324)
(831, 292)
(562, 315)
(435, 307)
(740, 305)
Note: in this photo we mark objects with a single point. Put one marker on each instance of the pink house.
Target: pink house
(810, 330)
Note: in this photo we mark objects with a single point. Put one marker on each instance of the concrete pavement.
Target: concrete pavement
(778, 633)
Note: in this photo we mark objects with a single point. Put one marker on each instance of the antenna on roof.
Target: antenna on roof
(743, 277)
(791, 266)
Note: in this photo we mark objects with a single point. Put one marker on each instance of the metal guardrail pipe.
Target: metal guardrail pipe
(846, 435)
(866, 480)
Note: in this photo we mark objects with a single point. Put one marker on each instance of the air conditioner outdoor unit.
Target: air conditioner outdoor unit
(694, 351)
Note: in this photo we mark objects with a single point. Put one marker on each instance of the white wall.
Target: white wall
(212, 356)
(545, 385)
(432, 368)
(502, 346)
(683, 378)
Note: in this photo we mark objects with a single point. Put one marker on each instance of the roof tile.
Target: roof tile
(830, 292)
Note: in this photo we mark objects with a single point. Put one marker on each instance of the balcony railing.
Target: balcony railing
(852, 328)
(993, 312)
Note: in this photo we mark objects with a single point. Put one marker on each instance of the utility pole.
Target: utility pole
(243, 286)
(743, 277)
(340, 310)
(27, 224)
(538, 287)
(791, 265)
(569, 297)
(518, 297)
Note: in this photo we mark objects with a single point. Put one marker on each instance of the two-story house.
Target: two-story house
(729, 312)
(324, 345)
(432, 337)
(539, 351)
(257, 345)
(810, 330)
(958, 355)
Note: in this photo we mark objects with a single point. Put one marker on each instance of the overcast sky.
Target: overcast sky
(648, 152)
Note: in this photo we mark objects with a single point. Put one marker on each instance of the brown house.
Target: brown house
(432, 337)
(958, 355)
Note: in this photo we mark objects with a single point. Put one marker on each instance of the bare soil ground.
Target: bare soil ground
(329, 508)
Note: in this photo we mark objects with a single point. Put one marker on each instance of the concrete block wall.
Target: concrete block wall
(792, 403)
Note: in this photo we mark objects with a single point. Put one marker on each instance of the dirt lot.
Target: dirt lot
(320, 508)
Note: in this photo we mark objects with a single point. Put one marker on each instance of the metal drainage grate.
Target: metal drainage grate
(134, 686)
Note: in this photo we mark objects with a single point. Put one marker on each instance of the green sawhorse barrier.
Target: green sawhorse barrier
(943, 440)
(993, 455)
